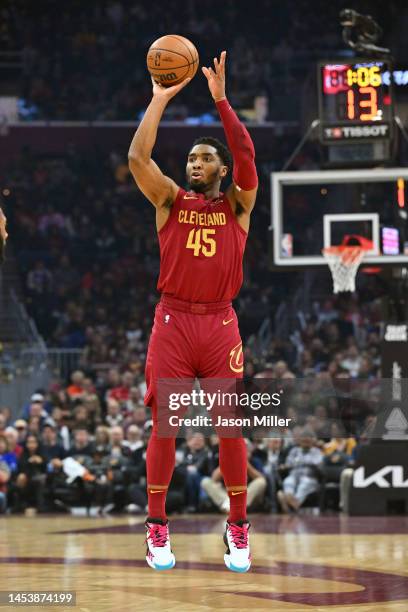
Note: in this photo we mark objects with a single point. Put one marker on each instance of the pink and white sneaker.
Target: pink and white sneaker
(238, 555)
(159, 555)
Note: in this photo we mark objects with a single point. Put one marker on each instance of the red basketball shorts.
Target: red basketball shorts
(193, 340)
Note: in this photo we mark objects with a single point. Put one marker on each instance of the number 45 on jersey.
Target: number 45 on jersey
(199, 241)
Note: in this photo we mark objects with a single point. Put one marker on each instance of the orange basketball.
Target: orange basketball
(171, 59)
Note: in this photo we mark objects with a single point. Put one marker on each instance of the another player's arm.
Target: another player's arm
(3, 235)
(158, 188)
(242, 192)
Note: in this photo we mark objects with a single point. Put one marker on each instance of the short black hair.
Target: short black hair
(222, 151)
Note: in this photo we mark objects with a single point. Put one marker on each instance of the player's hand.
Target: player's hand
(167, 93)
(216, 77)
(3, 221)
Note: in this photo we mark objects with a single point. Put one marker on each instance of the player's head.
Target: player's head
(3, 235)
(208, 162)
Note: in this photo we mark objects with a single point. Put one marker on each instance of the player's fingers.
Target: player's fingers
(205, 72)
(155, 83)
(216, 65)
(222, 59)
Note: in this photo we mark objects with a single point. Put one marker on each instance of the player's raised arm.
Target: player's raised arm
(158, 188)
(3, 235)
(242, 192)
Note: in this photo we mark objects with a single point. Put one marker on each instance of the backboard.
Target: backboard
(316, 209)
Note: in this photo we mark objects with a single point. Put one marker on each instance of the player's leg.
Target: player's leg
(222, 359)
(169, 357)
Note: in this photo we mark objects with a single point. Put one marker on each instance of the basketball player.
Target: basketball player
(3, 235)
(202, 235)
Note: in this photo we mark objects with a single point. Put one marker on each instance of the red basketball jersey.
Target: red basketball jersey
(201, 249)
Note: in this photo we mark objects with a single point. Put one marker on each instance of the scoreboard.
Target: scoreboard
(355, 102)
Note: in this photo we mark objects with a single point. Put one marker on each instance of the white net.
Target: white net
(343, 262)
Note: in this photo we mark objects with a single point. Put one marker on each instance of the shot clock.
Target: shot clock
(355, 102)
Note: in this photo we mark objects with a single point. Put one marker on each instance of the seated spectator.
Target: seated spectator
(50, 447)
(121, 393)
(339, 442)
(103, 486)
(81, 417)
(193, 458)
(93, 407)
(30, 482)
(102, 440)
(58, 417)
(136, 492)
(88, 388)
(118, 448)
(34, 425)
(135, 400)
(36, 409)
(133, 438)
(271, 461)
(137, 417)
(338, 453)
(21, 427)
(303, 462)
(118, 466)
(82, 445)
(114, 415)
(352, 361)
(7, 455)
(12, 439)
(37, 398)
(76, 389)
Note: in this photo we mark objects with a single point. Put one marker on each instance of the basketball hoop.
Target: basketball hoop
(344, 260)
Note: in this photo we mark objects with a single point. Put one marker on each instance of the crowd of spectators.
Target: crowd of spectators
(86, 60)
(84, 444)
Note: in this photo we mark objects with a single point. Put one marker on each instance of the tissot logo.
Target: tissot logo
(360, 481)
(356, 131)
(396, 333)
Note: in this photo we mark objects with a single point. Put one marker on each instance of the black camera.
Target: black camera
(360, 32)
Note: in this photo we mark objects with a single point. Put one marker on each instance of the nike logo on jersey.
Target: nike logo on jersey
(237, 492)
(187, 197)
(158, 491)
(226, 322)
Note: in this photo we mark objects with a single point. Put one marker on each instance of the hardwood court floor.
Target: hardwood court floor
(327, 563)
